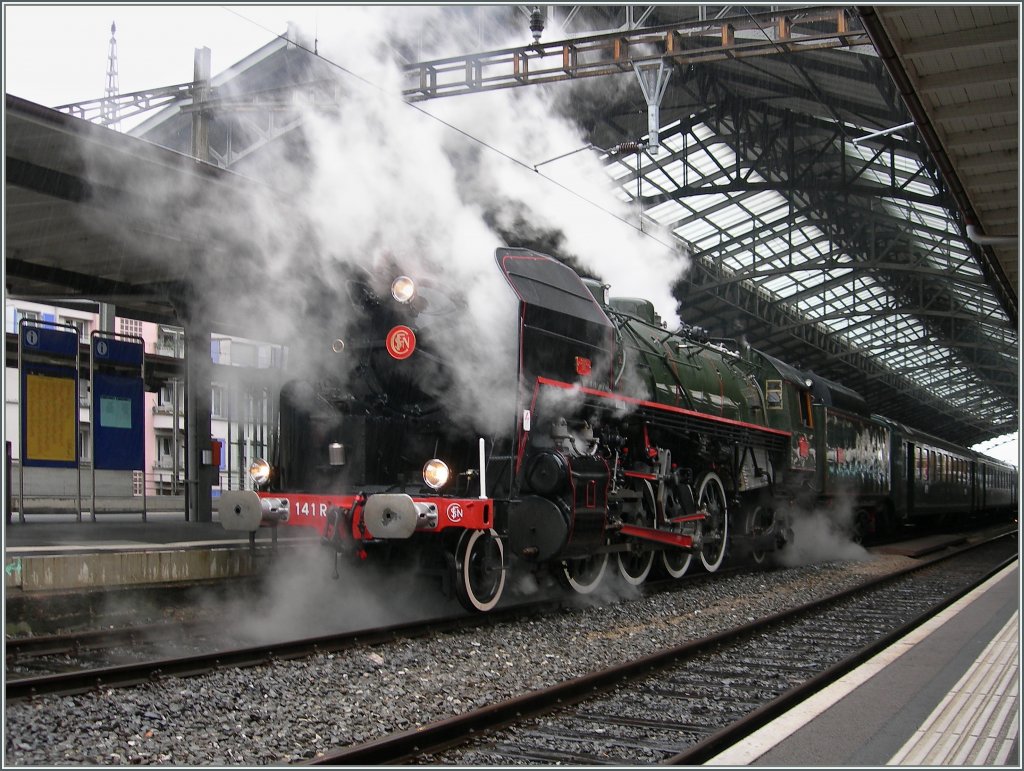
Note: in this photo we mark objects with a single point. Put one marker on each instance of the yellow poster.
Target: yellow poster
(51, 415)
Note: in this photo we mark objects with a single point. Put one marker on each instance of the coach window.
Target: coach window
(773, 394)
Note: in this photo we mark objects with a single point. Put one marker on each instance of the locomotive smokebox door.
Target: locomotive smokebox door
(390, 515)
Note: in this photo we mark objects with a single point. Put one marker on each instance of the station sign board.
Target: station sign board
(117, 403)
(48, 377)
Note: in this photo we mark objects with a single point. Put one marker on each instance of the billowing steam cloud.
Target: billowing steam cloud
(823, 536)
(377, 183)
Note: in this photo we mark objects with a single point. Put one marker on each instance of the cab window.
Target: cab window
(805, 408)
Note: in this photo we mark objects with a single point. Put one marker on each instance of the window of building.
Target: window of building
(218, 405)
(243, 354)
(165, 451)
(84, 443)
(170, 341)
(15, 315)
(165, 397)
(84, 327)
(130, 326)
(270, 356)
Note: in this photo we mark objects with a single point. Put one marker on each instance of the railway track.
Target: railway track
(22, 651)
(99, 649)
(685, 704)
(76, 662)
(82, 680)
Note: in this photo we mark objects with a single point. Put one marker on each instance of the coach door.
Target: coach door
(911, 477)
(900, 456)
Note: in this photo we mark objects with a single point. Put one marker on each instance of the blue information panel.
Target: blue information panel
(58, 342)
(118, 435)
(108, 350)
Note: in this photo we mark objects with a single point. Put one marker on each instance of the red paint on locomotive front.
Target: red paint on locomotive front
(306, 510)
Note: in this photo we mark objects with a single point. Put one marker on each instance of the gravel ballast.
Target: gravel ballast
(289, 710)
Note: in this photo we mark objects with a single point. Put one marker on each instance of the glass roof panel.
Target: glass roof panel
(793, 260)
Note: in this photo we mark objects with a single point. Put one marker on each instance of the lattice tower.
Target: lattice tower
(110, 116)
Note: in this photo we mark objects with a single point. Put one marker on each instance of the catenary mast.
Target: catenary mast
(110, 117)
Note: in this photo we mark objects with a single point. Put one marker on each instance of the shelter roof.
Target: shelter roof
(831, 200)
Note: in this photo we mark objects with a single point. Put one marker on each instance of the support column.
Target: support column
(201, 94)
(199, 470)
(108, 313)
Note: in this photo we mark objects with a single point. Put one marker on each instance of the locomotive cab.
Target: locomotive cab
(566, 340)
(790, 406)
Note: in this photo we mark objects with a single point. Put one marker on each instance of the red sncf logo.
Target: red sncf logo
(400, 342)
(582, 365)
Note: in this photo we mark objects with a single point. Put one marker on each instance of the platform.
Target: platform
(946, 694)
(55, 552)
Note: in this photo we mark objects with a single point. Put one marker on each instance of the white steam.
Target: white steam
(573, 195)
(823, 535)
(379, 182)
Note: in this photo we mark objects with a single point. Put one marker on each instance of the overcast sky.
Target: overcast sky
(57, 54)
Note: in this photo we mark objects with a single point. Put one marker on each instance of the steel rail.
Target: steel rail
(20, 651)
(136, 673)
(731, 734)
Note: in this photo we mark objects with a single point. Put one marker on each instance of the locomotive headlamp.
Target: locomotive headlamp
(435, 473)
(403, 289)
(259, 471)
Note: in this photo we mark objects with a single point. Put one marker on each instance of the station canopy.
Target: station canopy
(844, 181)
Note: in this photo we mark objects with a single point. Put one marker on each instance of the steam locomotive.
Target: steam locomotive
(574, 433)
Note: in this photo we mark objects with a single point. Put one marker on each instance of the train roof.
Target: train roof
(833, 394)
(786, 371)
(825, 391)
(922, 437)
(545, 282)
